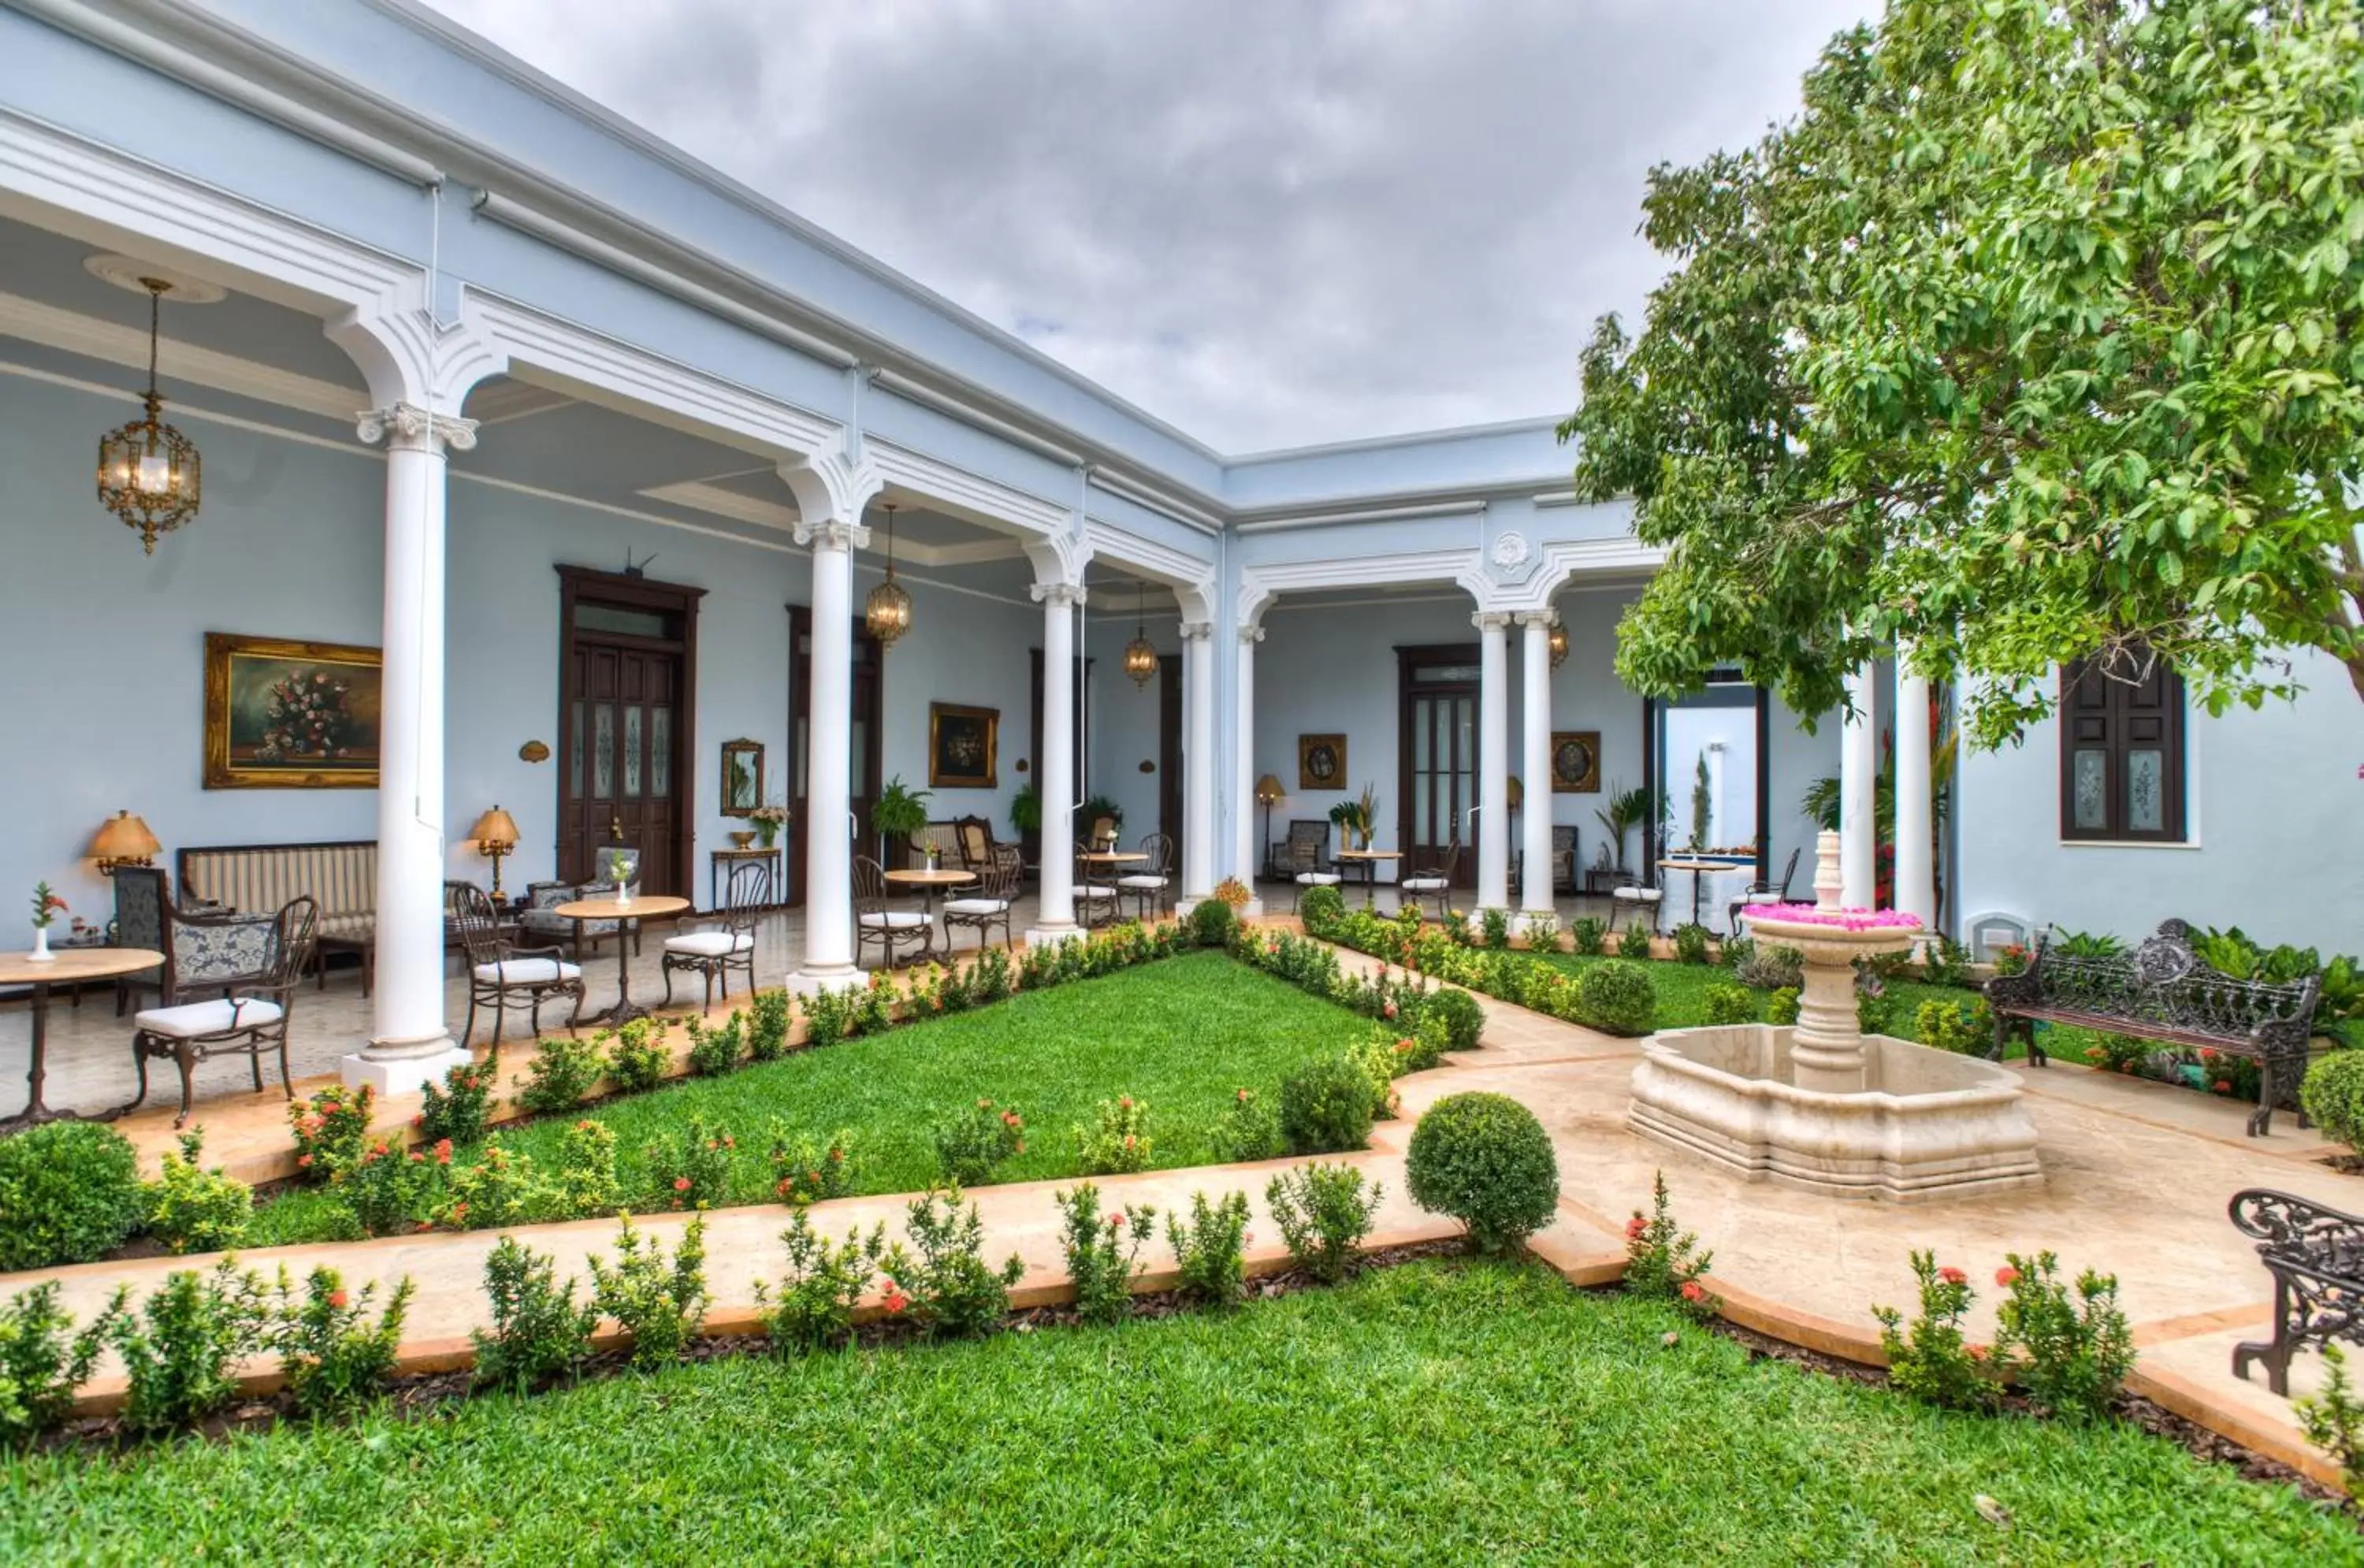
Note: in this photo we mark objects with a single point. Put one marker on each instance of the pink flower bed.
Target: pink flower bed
(1846, 919)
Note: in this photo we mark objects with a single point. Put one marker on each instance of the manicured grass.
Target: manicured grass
(1181, 1034)
(1682, 992)
(1436, 1412)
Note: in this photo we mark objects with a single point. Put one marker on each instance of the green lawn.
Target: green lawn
(1436, 1412)
(1181, 1034)
(1682, 992)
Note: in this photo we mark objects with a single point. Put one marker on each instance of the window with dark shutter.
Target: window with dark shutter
(2122, 750)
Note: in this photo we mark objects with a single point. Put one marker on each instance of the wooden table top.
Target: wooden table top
(1112, 857)
(921, 877)
(1370, 854)
(1706, 865)
(75, 963)
(646, 905)
(749, 850)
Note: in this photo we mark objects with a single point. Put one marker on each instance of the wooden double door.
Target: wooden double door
(629, 662)
(1437, 697)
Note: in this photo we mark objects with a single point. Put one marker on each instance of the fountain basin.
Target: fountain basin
(1926, 1124)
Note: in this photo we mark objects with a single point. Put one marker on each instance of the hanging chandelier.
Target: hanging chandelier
(1140, 658)
(148, 470)
(888, 612)
(1558, 644)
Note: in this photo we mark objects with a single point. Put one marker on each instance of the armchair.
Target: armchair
(1307, 848)
(206, 951)
(251, 1018)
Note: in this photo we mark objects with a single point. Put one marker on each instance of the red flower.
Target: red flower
(2006, 1277)
(302, 1162)
(1953, 1276)
(1117, 1219)
(459, 1212)
(442, 1150)
(337, 1299)
(1692, 1291)
(1243, 1096)
(2224, 1087)
(418, 1121)
(1979, 1353)
(1634, 1227)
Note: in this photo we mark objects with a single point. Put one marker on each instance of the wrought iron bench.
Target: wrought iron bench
(2316, 1256)
(2162, 992)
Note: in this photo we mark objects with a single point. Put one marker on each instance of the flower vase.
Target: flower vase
(42, 953)
(763, 832)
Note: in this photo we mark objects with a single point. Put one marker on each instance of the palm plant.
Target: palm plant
(1627, 809)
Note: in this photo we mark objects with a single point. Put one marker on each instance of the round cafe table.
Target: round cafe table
(931, 883)
(1370, 861)
(1701, 871)
(64, 966)
(648, 907)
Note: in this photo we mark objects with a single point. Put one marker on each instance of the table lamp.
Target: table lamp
(1517, 792)
(1268, 790)
(495, 833)
(123, 839)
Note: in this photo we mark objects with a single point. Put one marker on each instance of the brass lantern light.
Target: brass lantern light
(1559, 643)
(1140, 658)
(148, 471)
(887, 613)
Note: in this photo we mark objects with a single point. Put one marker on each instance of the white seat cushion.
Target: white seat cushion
(1761, 898)
(977, 906)
(1317, 879)
(1638, 895)
(1424, 885)
(1140, 881)
(191, 1020)
(710, 944)
(527, 972)
(894, 920)
(1093, 890)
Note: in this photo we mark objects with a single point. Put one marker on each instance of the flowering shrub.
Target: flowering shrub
(1771, 967)
(391, 1190)
(1781, 1008)
(499, 1190)
(990, 977)
(1494, 929)
(40, 1366)
(538, 1330)
(1731, 1004)
(2069, 1356)
(1233, 892)
(767, 1025)
(873, 1005)
(947, 1286)
(1324, 1212)
(1458, 1011)
(974, 1141)
(2012, 958)
(1484, 1160)
(1542, 933)
(1931, 1361)
(195, 1210)
(822, 1284)
(1325, 1106)
(1663, 1260)
(1102, 1251)
(334, 1357)
(804, 1170)
(178, 1351)
(638, 1060)
(585, 1184)
(1690, 943)
(561, 1073)
(660, 1308)
(714, 1052)
(1247, 1130)
(1588, 936)
(2332, 1419)
(1321, 909)
(1212, 923)
(1211, 1249)
(692, 1169)
(330, 1129)
(2333, 1097)
(1944, 961)
(1616, 998)
(829, 1017)
(2118, 1052)
(1118, 1143)
(460, 1109)
(1950, 1026)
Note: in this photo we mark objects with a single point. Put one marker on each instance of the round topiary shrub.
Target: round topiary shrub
(1731, 1004)
(69, 1193)
(1325, 1106)
(1463, 1018)
(1616, 998)
(2333, 1095)
(1485, 1160)
(1212, 923)
(1321, 909)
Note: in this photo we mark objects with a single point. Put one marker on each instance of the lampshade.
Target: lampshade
(1518, 792)
(124, 837)
(495, 828)
(1269, 790)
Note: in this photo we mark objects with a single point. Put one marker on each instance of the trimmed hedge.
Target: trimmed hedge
(1485, 1160)
(2333, 1095)
(69, 1193)
(1616, 997)
(1325, 1106)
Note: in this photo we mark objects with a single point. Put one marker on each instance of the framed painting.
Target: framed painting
(283, 715)
(962, 746)
(743, 777)
(1575, 761)
(1322, 761)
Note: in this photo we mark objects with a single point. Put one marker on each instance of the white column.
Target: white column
(1536, 733)
(829, 956)
(1198, 759)
(1244, 850)
(1056, 920)
(1858, 769)
(1493, 762)
(1916, 878)
(409, 1042)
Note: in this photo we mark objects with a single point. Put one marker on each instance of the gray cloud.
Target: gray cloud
(1268, 222)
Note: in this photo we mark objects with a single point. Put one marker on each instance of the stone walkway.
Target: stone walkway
(2136, 1178)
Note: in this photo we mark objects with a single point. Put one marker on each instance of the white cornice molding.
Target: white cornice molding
(1461, 507)
(1265, 581)
(936, 480)
(119, 343)
(1165, 503)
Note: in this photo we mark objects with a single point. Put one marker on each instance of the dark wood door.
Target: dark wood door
(1169, 753)
(869, 691)
(1437, 738)
(629, 665)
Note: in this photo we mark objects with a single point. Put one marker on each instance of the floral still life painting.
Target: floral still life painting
(283, 715)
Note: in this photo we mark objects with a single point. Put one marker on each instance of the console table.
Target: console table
(720, 863)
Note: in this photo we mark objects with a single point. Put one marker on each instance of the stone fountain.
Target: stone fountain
(1823, 1106)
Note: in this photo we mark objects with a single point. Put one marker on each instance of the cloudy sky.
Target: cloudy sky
(1271, 222)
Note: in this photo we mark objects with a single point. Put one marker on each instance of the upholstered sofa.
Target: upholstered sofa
(258, 879)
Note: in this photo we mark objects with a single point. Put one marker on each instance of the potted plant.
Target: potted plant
(1356, 818)
(1627, 809)
(898, 813)
(768, 821)
(1026, 817)
(1098, 808)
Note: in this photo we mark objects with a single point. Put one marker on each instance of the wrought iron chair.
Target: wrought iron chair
(1636, 893)
(973, 837)
(876, 917)
(1434, 879)
(499, 969)
(1762, 892)
(250, 1019)
(726, 941)
(1097, 903)
(1152, 881)
(991, 903)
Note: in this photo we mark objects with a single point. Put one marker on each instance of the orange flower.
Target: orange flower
(681, 1183)
(2006, 1277)
(337, 1299)
(1953, 1275)
(1692, 1290)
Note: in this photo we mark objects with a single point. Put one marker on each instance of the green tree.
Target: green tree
(2034, 337)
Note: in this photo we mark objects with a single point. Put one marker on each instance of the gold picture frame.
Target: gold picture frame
(964, 746)
(1575, 761)
(1322, 761)
(743, 777)
(286, 715)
